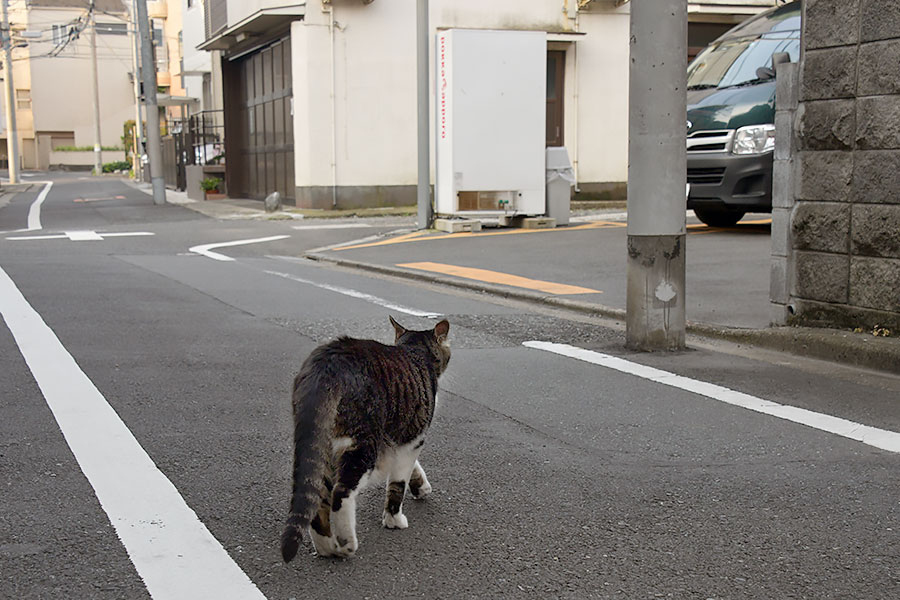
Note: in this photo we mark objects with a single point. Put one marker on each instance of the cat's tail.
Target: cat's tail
(315, 404)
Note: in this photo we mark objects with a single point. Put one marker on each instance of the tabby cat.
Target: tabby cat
(361, 410)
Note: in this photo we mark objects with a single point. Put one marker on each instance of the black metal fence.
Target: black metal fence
(199, 140)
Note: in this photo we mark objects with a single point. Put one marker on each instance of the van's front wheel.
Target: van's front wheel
(718, 217)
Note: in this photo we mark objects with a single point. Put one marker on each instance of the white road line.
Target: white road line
(80, 236)
(333, 226)
(360, 295)
(879, 438)
(172, 550)
(205, 249)
(365, 240)
(34, 213)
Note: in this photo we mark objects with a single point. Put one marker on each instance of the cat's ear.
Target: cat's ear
(398, 328)
(441, 330)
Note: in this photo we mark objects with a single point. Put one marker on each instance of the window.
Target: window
(23, 99)
(112, 29)
(60, 34)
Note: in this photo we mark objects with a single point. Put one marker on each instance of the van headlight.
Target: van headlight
(754, 139)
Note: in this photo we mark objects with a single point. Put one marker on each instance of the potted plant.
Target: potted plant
(210, 187)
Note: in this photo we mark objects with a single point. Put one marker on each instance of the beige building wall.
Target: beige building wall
(61, 86)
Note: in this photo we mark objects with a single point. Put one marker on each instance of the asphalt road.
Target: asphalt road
(553, 477)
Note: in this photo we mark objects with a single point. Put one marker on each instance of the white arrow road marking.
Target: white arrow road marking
(34, 213)
(172, 550)
(360, 295)
(879, 438)
(204, 249)
(80, 236)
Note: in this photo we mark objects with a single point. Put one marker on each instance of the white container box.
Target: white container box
(490, 122)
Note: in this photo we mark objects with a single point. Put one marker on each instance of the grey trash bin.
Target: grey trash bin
(560, 179)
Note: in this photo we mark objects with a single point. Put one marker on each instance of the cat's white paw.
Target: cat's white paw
(346, 548)
(398, 521)
(422, 491)
(325, 546)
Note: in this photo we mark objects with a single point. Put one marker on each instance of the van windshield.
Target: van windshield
(734, 62)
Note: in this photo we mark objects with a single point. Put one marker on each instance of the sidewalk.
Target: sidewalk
(534, 257)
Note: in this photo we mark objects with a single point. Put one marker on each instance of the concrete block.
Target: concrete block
(457, 225)
(824, 176)
(873, 283)
(822, 226)
(779, 286)
(779, 314)
(876, 177)
(787, 86)
(878, 68)
(784, 134)
(876, 230)
(878, 122)
(830, 23)
(879, 19)
(538, 223)
(781, 227)
(829, 74)
(784, 181)
(527, 222)
(822, 277)
(826, 125)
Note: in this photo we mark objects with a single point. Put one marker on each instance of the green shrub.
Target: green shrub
(210, 184)
(84, 148)
(116, 165)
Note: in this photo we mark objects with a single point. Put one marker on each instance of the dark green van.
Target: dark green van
(731, 116)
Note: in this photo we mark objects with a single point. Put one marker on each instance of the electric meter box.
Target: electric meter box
(490, 118)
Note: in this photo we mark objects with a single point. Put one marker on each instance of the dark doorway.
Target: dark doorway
(260, 140)
(556, 70)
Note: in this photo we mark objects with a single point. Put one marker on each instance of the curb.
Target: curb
(844, 347)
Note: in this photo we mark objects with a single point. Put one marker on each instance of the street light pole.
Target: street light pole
(98, 148)
(148, 76)
(423, 195)
(9, 95)
(138, 122)
(657, 174)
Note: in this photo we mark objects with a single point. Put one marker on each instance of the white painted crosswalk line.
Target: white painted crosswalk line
(172, 550)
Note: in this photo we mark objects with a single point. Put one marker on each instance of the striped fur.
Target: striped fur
(361, 409)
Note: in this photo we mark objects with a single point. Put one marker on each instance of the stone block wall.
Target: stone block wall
(842, 266)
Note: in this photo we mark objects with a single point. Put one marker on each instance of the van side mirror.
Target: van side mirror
(780, 57)
(765, 73)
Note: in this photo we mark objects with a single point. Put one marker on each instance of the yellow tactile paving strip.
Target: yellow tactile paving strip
(487, 276)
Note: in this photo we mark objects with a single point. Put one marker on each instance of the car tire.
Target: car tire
(719, 217)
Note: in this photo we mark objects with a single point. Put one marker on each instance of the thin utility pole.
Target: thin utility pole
(98, 148)
(138, 121)
(9, 95)
(423, 195)
(148, 76)
(657, 174)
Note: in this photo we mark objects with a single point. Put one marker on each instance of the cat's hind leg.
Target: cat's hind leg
(400, 471)
(320, 527)
(418, 483)
(354, 468)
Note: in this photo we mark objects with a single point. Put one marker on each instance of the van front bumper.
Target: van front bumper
(729, 181)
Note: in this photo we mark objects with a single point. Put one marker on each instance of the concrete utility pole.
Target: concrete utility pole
(98, 148)
(9, 96)
(138, 121)
(423, 188)
(657, 174)
(148, 76)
